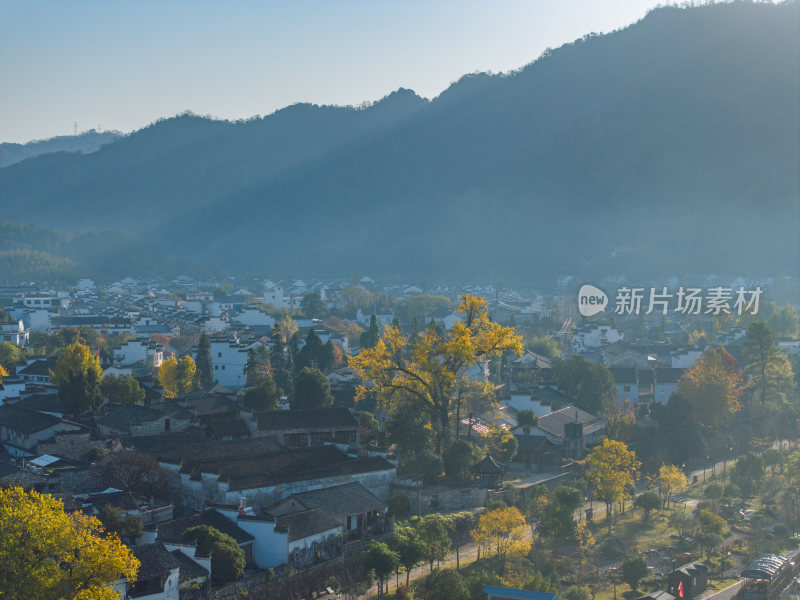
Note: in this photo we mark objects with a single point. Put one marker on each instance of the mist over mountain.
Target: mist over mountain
(86, 142)
(666, 147)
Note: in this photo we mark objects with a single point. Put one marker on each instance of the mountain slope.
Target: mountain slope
(669, 146)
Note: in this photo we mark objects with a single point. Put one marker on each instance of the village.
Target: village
(252, 410)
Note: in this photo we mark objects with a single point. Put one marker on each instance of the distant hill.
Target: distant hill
(86, 142)
(666, 147)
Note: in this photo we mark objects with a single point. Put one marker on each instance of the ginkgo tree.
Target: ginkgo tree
(48, 553)
(424, 371)
(612, 471)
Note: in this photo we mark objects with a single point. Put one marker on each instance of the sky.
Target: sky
(123, 64)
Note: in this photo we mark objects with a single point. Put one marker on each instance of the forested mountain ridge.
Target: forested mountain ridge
(669, 146)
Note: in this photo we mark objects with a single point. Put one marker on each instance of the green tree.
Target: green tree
(773, 458)
(10, 356)
(634, 568)
(544, 345)
(527, 420)
(502, 444)
(760, 349)
(458, 457)
(372, 334)
(432, 533)
(588, 384)
(382, 560)
(748, 472)
(712, 527)
(649, 501)
(311, 390)
(77, 376)
(313, 306)
(127, 527)
(227, 558)
(713, 387)
(410, 551)
(263, 396)
(205, 374)
(123, 389)
(46, 553)
(446, 584)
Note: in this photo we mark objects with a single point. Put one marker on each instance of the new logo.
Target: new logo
(591, 300)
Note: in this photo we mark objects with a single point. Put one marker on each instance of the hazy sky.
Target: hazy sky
(122, 64)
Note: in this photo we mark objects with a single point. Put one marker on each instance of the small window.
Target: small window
(216, 367)
(223, 368)
(626, 388)
(219, 354)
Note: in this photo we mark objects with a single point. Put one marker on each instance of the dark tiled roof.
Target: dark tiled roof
(189, 569)
(554, 422)
(122, 500)
(293, 420)
(155, 560)
(123, 417)
(172, 531)
(341, 500)
(623, 374)
(248, 472)
(304, 524)
(210, 404)
(38, 367)
(172, 409)
(41, 402)
(232, 428)
(533, 443)
(487, 466)
(25, 421)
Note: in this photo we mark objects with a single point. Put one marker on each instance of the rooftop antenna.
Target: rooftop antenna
(75, 128)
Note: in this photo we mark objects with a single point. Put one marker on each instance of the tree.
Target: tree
(671, 480)
(773, 458)
(287, 328)
(502, 444)
(127, 527)
(713, 387)
(410, 551)
(263, 396)
(460, 526)
(612, 469)
(446, 584)
(528, 420)
(588, 384)
(432, 533)
(425, 372)
(767, 363)
(137, 473)
(311, 390)
(544, 345)
(634, 568)
(205, 373)
(47, 553)
(257, 367)
(10, 355)
(77, 376)
(177, 377)
(371, 335)
(748, 472)
(381, 559)
(313, 306)
(503, 530)
(458, 457)
(712, 527)
(649, 501)
(227, 558)
(123, 389)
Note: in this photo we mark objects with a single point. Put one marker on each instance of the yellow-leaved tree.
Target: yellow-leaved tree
(178, 377)
(47, 553)
(423, 372)
(612, 470)
(77, 376)
(671, 480)
(504, 531)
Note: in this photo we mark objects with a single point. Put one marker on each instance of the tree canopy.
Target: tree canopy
(47, 553)
(227, 558)
(612, 471)
(424, 371)
(77, 376)
(311, 390)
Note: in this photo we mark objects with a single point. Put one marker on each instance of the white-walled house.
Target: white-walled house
(685, 358)
(274, 295)
(253, 316)
(228, 359)
(592, 336)
(134, 351)
(15, 333)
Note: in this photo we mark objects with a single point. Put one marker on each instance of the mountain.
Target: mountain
(666, 147)
(86, 142)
